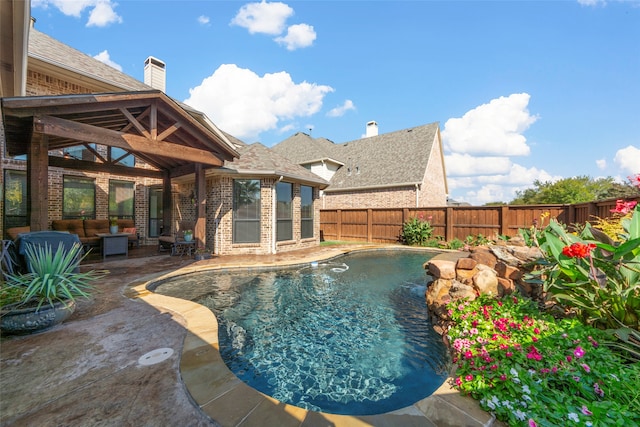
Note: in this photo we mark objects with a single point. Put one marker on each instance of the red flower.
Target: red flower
(578, 250)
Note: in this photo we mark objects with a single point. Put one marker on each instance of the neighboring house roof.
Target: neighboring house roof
(52, 52)
(392, 159)
(303, 149)
(257, 160)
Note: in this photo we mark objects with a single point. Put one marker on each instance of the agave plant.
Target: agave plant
(54, 276)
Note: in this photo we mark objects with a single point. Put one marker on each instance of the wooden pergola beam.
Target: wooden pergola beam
(69, 129)
(61, 162)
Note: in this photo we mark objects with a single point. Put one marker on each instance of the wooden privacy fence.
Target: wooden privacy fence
(384, 225)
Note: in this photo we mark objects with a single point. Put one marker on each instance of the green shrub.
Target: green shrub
(416, 232)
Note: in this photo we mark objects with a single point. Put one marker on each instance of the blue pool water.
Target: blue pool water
(347, 336)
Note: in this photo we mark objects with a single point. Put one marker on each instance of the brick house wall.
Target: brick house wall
(370, 198)
(432, 191)
(44, 84)
(219, 217)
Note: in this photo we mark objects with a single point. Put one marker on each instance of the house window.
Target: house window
(306, 211)
(121, 199)
(284, 211)
(15, 198)
(122, 157)
(246, 211)
(78, 198)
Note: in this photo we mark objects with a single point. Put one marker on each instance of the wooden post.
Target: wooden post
(200, 231)
(38, 182)
(448, 225)
(504, 220)
(339, 224)
(167, 205)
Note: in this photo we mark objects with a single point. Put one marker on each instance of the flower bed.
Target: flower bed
(530, 369)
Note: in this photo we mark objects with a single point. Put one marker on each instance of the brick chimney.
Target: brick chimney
(155, 74)
(372, 129)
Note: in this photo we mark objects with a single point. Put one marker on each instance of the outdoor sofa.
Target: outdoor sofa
(86, 229)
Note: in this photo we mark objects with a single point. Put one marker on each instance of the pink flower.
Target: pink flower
(623, 207)
(569, 358)
(458, 381)
(468, 354)
(536, 331)
(508, 354)
(597, 390)
(534, 354)
(532, 423)
(586, 410)
(586, 367)
(578, 352)
(468, 377)
(503, 377)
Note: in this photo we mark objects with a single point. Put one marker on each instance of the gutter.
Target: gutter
(372, 187)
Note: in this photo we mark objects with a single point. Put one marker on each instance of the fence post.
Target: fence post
(369, 225)
(504, 220)
(448, 225)
(339, 224)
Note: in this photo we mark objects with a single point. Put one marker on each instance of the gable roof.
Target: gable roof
(257, 160)
(303, 149)
(392, 159)
(148, 124)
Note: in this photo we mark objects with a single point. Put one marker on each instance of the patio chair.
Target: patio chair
(167, 241)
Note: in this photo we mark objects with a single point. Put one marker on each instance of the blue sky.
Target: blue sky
(523, 90)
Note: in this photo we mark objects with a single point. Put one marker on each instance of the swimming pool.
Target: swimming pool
(348, 336)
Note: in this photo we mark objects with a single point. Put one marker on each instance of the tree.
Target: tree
(578, 189)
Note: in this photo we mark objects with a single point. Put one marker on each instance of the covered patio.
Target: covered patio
(168, 139)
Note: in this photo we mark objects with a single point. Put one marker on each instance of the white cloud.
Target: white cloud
(592, 2)
(103, 14)
(491, 129)
(496, 187)
(340, 110)
(106, 59)
(628, 159)
(102, 11)
(299, 35)
(466, 165)
(245, 104)
(203, 20)
(263, 17)
(601, 164)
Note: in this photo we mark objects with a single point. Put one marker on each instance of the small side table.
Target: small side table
(114, 244)
(182, 247)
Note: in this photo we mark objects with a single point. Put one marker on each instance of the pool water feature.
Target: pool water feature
(347, 336)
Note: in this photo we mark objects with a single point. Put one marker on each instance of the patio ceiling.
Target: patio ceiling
(149, 125)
